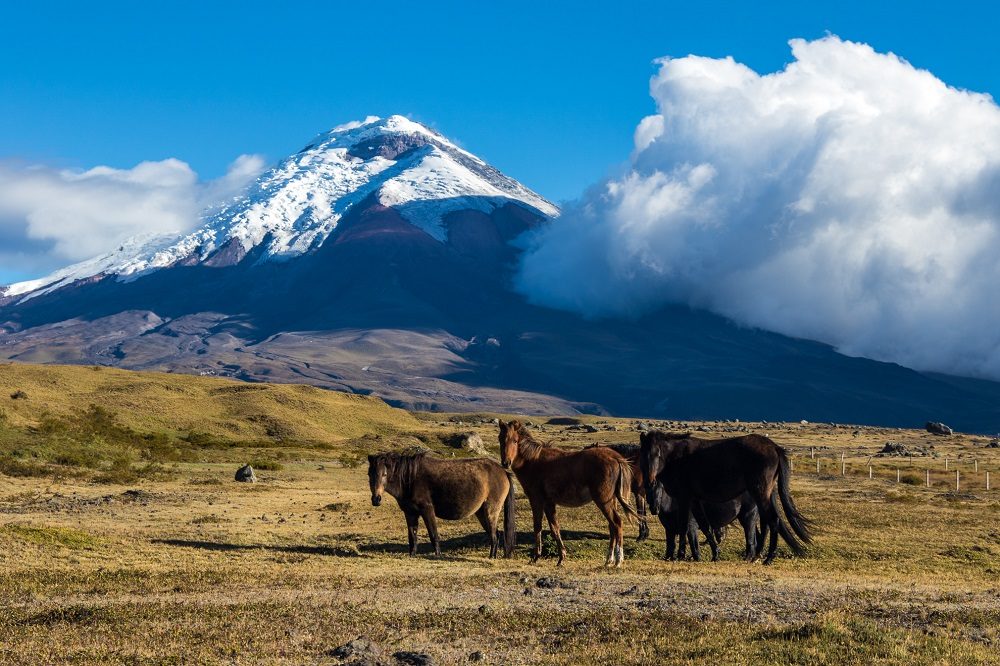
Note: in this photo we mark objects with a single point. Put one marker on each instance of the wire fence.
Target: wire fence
(955, 474)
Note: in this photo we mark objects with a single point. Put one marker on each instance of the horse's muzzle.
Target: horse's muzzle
(376, 500)
(505, 465)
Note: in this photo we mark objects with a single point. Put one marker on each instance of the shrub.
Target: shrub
(268, 465)
(19, 395)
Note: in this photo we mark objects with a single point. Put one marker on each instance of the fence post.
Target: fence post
(928, 477)
(897, 475)
(812, 452)
(843, 465)
(946, 464)
(976, 463)
(956, 480)
(869, 471)
(817, 468)
(987, 480)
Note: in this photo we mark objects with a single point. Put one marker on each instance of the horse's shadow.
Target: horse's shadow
(357, 545)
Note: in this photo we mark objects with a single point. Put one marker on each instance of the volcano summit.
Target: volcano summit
(379, 259)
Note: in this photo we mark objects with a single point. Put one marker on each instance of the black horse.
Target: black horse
(712, 518)
(696, 471)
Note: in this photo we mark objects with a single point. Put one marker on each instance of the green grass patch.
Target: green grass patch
(64, 537)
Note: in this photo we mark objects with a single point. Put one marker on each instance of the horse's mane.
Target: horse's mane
(525, 440)
(627, 450)
(659, 434)
(403, 464)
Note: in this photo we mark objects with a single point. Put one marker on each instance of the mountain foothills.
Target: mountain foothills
(379, 260)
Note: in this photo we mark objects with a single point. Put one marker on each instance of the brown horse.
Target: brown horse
(691, 470)
(431, 488)
(631, 453)
(554, 477)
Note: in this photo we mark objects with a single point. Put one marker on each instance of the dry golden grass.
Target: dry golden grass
(191, 567)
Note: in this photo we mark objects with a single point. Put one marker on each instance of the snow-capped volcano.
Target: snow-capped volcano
(292, 208)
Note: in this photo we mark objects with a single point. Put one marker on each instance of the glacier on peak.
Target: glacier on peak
(295, 205)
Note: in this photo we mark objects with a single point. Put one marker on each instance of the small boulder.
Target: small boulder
(468, 441)
(938, 428)
(361, 649)
(894, 449)
(413, 658)
(994, 444)
(245, 474)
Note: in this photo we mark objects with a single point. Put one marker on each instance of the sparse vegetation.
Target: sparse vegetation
(191, 566)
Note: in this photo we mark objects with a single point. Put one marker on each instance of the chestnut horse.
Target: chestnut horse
(631, 453)
(431, 488)
(554, 477)
(691, 470)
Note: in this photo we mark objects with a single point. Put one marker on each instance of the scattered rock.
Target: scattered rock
(361, 648)
(894, 449)
(549, 583)
(994, 444)
(938, 428)
(563, 421)
(245, 474)
(468, 441)
(413, 658)
(18, 395)
(477, 656)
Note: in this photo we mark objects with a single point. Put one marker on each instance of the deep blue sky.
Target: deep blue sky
(548, 92)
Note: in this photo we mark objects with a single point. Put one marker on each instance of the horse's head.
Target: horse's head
(378, 476)
(510, 435)
(651, 461)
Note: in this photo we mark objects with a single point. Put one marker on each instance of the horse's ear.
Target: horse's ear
(643, 438)
(371, 458)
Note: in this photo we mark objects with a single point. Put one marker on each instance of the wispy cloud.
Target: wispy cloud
(51, 217)
(849, 198)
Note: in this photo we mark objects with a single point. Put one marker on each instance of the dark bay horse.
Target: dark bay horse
(431, 488)
(692, 469)
(554, 477)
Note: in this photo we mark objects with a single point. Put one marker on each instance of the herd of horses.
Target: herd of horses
(691, 484)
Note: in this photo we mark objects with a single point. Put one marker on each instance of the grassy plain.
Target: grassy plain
(143, 550)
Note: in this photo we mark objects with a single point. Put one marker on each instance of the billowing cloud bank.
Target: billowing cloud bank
(850, 198)
(51, 217)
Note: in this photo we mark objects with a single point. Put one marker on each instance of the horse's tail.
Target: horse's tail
(799, 523)
(509, 526)
(623, 488)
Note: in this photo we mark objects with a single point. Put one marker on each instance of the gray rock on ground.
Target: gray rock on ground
(246, 474)
(469, 441)
(938, 428)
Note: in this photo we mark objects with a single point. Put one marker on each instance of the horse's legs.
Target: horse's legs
(432, 529)
(489, 523)
(768, 519)
(749, 534)
(616, 535)
(702, 519)
(536, 519)
(550, 514)
(669, 536)
(412, 522)
(640, 508)
(685, 527)
(691, 538)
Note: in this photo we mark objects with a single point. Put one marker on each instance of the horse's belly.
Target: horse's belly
(574, 497)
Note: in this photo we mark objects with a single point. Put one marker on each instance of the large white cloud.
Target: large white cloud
(849, 198)
(51, 217)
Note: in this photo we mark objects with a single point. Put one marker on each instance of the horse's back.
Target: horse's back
(458, 488)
